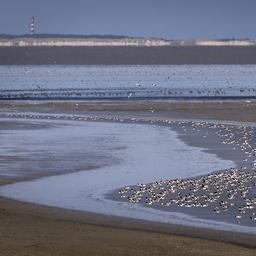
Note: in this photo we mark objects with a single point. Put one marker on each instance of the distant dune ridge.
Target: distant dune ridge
(110, 40)
(122, 50)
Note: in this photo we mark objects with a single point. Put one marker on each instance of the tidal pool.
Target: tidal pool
(140, 154)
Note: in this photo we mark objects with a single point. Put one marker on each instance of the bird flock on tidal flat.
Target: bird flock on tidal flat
(230, 192)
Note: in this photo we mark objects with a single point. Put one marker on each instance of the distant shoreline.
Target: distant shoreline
(127, 55)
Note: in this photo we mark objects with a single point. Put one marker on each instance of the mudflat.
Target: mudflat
(27, 229)
(207, 110)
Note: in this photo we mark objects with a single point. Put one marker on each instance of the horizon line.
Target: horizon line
(110, 36)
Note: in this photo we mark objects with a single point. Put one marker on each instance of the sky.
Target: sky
(171, 19)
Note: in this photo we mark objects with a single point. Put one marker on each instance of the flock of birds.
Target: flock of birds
(230, 193)
(230, 190)
(138, 91)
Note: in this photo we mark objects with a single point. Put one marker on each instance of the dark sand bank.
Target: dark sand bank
(128, 55)
(208, 110)
(36, 230)
(27, 229)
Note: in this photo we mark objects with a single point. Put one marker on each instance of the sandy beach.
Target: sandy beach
(38, 230)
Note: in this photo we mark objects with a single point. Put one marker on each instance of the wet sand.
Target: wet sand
(35, 148)
(115, 236)
(239, 110)
(35, 230)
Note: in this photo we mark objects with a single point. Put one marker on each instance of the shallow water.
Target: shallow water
(127, 82)
(146, 154)
(41, 147)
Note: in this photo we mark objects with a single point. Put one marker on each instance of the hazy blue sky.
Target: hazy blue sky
(146, 18)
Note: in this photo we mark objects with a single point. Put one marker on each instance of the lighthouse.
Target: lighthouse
(32, 26)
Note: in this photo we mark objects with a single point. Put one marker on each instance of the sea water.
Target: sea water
(66, 82)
